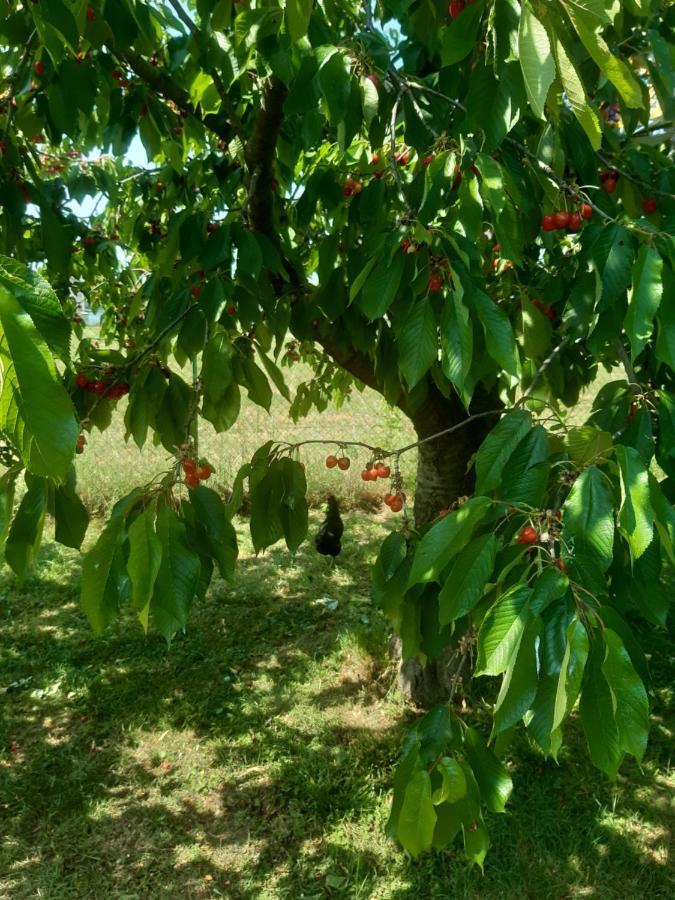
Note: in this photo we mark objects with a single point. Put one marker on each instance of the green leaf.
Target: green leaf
(7, 491)
(612, 67)
(631, 704)
(536, 59)
(444, 539)
(664, 517)
(145, 558)
(587, 444)
(453, 786)
(102, 576)
(589, 517)
(499, 337)
(476, 842)
(418, 816)
(520, 682)
(571, 671)
(380, 288)
(635, 515)
(665, 337)
(70, 514)
(293, 512)
(467, 578)
(219, 532)
(56, 14)
(25, 533)
(597, 715)
(35, 410)
(574, 89)
(497, 448)
(418, 343)
(266, 498)
(335, 82)
(178, 575)
(502, 630)
(644, 299)
(493, 780)
(456, 331)
(551, 585)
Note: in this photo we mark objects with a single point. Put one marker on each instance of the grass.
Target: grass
(254, 759)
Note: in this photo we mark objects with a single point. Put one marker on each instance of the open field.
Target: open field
(253, 760)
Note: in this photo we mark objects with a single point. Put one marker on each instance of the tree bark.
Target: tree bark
(442, 477)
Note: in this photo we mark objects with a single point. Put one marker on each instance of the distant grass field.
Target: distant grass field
(109, 467)
(253, 760)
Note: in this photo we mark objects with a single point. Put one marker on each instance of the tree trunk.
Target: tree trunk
(442, 477)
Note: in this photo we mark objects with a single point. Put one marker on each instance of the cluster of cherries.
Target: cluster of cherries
(563, 220)
(196, 471)
(372, 472)
(352, 186)
(100, 386)
(342, 462)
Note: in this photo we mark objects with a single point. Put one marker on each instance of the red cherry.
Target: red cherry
(230, 309)
(374, 79)
(382, 470)
(204, 472)
(196, 290)
(189, 466)
(574, 223)
(344, 463)
(405, 244)
(559, 564)
(396, 504)
(561, 219)
(91, 15)
(442, 513)
(192, 480)
(3, 148)
(377, 175)
(649, 206)
(388, 498)
(457, 180)
(81, 442)
(82, 381)
(435, 283)
(365, 475)
(212, 227)
(528, 535)
(609, 185)
(331, 462)
(455, 8)
(123, 82)
(39, 67)
(547, 223)
(375, 159)
(586, 211)
(427, 161)
(549, 312)
(357, 187)
(38, 139)
(97, 387)
(116, 74)
(347, 190)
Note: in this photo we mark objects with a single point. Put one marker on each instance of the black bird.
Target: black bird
(327, 541)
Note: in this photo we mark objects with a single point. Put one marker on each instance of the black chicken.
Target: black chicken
(327, 541)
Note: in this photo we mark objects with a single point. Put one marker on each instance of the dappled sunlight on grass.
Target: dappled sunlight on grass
(254, 759)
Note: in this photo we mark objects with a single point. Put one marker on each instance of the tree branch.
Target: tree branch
(259, 152)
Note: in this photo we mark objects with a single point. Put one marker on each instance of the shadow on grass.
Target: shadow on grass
(254, 759)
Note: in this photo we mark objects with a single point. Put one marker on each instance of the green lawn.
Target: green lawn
(254, 759)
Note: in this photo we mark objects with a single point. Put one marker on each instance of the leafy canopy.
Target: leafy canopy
(475, 200)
